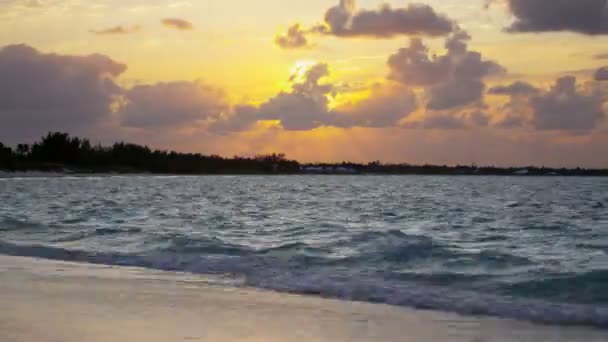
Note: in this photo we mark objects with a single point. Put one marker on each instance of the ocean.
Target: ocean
(528, 248)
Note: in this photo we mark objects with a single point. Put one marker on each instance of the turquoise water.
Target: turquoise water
(520, 247)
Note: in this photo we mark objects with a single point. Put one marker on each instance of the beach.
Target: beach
(43, 300)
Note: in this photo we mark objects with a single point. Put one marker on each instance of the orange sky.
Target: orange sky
(209, 76)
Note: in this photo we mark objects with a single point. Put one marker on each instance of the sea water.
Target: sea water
(530, 248)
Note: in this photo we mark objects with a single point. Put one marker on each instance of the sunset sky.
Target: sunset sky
(503, 82)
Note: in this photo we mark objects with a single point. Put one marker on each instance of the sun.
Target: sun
(300, 67)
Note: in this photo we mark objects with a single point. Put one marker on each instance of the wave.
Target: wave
(589, 287)
(12, 224)
(270, 269)
(96, 233)
(399, 248)
(182, 244)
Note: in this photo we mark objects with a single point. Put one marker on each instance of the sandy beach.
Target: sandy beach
(52, 301)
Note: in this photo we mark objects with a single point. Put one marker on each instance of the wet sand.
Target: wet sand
(53, 301)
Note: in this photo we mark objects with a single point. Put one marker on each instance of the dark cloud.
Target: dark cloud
(451, 80)
(346, 20)
(306, 107)
(179, 24)
(566, 107)
(582, 16)
(171, 104)
(517, 112)
(413, 66)
(479, 118)
(518, 88)
(295, 38)
(41, 92)
(455, 93)
(601, 74)
(117, 30)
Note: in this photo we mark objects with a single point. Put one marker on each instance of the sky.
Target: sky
(486, 82)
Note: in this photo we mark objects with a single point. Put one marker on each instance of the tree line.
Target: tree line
(59, 152)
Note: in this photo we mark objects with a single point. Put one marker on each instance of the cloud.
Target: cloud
(438, 121)
(178, 24)
(240, 119)
(517, 112)
(41, 91)
(171, 104)
(518, 88)
(386, 106)
(455, 93)
(566, 107)
(117, 30)
(306, 107)
(412, 65)
(449, 120)
(510, 121)
(451, 80)
(601, 56)
(295, 38)
(346, 20)
(479, 118)
(601, 74)
(583, 16)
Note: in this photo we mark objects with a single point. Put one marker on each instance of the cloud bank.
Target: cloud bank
(49, 91)
(306, 107)
(424, 92)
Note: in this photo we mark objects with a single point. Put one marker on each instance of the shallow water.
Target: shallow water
(527, 248)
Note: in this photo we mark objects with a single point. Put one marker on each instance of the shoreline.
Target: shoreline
(57, 174)
(109, 303)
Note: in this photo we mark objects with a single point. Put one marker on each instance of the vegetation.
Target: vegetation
(61, 152)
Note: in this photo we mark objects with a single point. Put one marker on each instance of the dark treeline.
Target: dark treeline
(61, 152)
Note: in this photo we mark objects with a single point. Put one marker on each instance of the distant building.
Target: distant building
(345, 170)
(328, 169)
(312, 169)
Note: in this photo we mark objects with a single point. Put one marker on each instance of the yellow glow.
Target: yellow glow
(299, 69)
